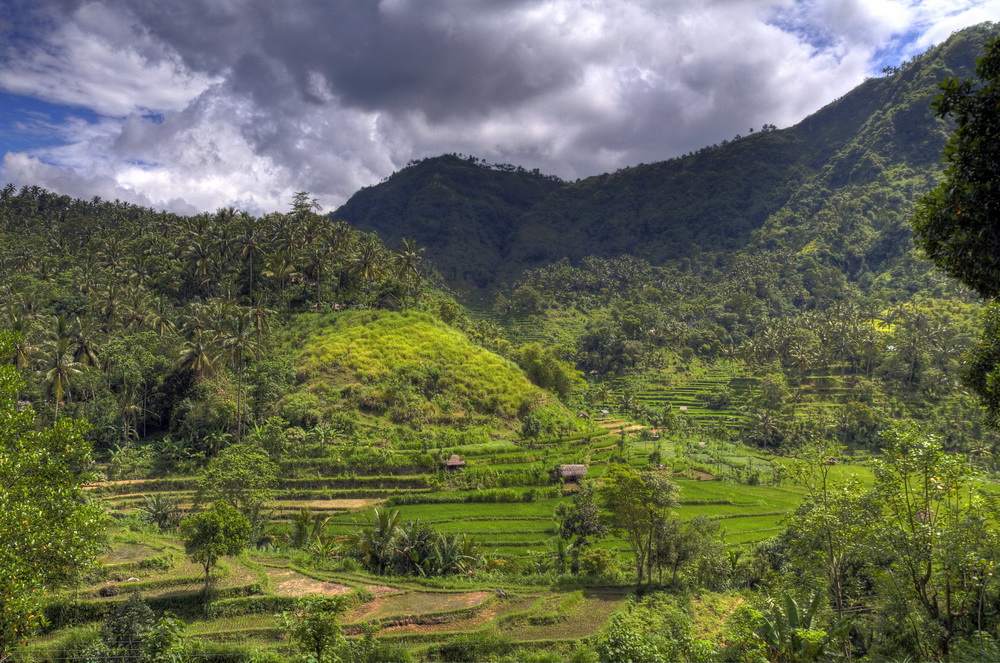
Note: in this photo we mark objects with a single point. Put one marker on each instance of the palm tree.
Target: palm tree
(237, 344)
(135, 308)
(259, 314)
(162, 510)
(280, 267)
(376, 546)
(106, 302)
(368, 261)
(253, 243)
(198, 355)
(84, 337)
(407, 263)
(160, 316)
(57, 366)
(456, 553)
(307, 528)
(199, 257)
(320, 256)
(24, 351)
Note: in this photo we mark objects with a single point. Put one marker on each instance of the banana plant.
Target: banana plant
(788, 631)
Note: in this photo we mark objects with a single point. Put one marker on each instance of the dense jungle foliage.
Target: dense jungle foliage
(731, 424)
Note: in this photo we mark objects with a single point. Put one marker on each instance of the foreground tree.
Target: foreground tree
(49, 531)
(314, 628)
(581, 520)
(243, 476)
(939, 533)
(638, 504)
(219, 531)
(958, 222)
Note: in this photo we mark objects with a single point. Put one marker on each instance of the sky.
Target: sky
(195, 105)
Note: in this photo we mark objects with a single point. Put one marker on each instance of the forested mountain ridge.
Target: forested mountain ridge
(482, 224)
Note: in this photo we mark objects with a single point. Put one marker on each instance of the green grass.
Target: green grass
(391, 355)
(418, 603)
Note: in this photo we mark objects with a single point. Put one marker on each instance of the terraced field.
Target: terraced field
(504, 497)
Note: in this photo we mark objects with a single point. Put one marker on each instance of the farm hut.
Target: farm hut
(454, 462)
(572, 473)
(390, 302)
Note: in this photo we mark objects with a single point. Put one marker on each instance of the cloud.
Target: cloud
(95, 59)
(224, 102)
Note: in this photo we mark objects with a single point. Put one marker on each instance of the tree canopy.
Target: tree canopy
(958, 222)
(49, 531)
(219, 531)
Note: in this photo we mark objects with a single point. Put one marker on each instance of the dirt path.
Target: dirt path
(293, 583)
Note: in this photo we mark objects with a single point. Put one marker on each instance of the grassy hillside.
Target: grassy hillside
(414, 369)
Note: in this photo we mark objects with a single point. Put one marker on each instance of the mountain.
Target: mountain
(482, 223)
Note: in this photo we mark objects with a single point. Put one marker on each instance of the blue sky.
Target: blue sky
(28, 123)
(207, 103)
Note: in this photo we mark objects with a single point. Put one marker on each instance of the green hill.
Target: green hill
(413, 368)
(483, 224)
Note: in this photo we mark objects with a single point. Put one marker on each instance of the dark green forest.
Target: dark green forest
(716, 408)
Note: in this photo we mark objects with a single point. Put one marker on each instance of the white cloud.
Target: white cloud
(97, 60)
(253, 101)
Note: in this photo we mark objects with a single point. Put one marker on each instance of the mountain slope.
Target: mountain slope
(482, 225)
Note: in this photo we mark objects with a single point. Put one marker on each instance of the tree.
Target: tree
(958, 222)
(280, 267)
(544, 368)
(376, 546)
(243, 476)
(219, 531)
(637, 505)
(407, 263)
(49, 531)
(531, 427)
(57, 367)
(314, 628)
(678, 545)
(580, 520)
(132, 634)
(940, 534)
(832, 528)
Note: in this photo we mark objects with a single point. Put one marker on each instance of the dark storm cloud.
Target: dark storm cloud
(440, 58)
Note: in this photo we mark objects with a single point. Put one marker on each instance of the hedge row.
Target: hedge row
(493, 495)
(348, 482)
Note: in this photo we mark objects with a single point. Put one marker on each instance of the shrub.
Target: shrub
(481, 646)
(301, 409)
(598, 562)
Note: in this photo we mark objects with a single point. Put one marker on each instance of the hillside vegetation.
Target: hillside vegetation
(714, 411)
(415, 369)
(484, 223)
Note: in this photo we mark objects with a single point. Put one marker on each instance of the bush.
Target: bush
(301, 409)
(249, 605)
(621, 643)
(474, 647)
(598, 562)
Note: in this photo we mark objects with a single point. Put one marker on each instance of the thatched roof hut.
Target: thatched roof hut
(453, 462)
(571, 473)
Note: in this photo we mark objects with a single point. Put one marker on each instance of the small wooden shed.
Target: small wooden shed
(390, 302)
(453, 463)
(572, 473)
